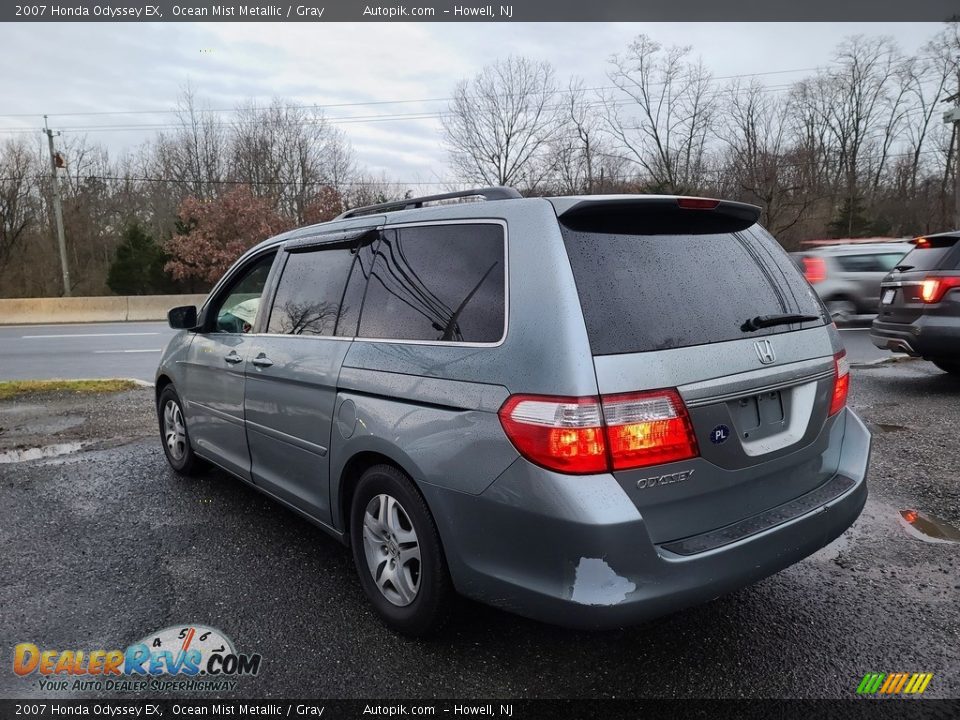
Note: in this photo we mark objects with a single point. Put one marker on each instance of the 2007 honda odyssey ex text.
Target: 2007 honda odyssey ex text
(587, 410)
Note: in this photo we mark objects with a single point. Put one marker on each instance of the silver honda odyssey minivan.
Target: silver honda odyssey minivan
(587, 410)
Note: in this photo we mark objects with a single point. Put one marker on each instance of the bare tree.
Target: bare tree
(929, 79)
(661, 112)
(288, 152)
(499, 125)
(757, 161)
(18, 206)
(578, 149)
(372, 189)
(195, 154)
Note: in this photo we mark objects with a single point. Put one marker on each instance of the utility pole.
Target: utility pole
(57, 208)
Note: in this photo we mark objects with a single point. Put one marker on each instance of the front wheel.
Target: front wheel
(950, 366)
(173, 433)
(397, 552)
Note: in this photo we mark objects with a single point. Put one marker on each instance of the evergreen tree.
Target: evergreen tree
(138, 267)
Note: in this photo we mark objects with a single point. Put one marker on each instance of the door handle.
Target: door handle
(262, 361)
(233, 358)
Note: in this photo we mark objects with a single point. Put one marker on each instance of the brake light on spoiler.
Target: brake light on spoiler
(695, 203)
(585, 435)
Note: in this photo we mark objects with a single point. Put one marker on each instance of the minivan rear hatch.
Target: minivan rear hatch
(692, 294)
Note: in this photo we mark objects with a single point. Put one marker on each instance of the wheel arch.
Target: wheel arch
(160, 385)
(360, 460)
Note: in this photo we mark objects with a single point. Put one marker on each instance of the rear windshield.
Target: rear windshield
(653, 292)
(929, 256)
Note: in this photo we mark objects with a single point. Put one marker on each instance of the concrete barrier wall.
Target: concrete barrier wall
(36, 311)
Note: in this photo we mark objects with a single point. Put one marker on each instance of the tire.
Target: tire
(172, 422)
(950, 366)
(404, 575)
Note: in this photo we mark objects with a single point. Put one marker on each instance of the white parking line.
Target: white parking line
(107, 352)
(84, 335)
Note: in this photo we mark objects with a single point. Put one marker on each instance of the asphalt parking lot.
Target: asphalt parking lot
(105, 544)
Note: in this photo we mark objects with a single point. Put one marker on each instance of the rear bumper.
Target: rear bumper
(928, 336)
(576, 552)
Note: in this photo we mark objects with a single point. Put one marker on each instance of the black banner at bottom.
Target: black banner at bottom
(31, 709)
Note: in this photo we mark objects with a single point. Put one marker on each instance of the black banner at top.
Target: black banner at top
(480, 11)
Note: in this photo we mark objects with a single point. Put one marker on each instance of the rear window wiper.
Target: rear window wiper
(901, 268)
(765, 321)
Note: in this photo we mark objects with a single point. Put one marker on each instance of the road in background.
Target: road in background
(132, 350)
(95, 350)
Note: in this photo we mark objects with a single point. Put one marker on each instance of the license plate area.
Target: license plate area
(757, 416)
(888, 295)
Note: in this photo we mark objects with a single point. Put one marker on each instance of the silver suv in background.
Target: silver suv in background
(847, 277)
(588, 410)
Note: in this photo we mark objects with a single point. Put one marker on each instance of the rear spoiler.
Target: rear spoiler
(655, 215)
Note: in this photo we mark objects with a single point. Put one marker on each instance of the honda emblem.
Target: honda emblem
(765, 351)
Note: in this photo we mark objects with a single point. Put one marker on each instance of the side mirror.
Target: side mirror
(183, 317)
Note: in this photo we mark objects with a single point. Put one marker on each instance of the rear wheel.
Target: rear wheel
(397, 552)
(950, 366)
(173, 433)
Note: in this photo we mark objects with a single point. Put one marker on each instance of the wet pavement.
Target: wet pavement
(105, 545)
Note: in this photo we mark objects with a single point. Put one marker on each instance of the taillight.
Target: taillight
(814, 269)
(564, 434)
(841, 382)
(648, 429)
(591, 435)
(933, 289)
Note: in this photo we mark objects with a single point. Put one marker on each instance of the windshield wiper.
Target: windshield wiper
(901, 268)
(765, 321)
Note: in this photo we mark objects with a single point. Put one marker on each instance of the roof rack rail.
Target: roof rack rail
(488, 193)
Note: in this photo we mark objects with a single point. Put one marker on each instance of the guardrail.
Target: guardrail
(38, 311)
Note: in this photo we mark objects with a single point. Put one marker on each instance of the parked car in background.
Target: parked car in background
(544, 404)
(920, 303)
(847, 277)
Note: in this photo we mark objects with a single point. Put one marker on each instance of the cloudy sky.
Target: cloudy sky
(134, 70)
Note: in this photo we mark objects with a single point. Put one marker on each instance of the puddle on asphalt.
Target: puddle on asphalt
(928, 528)
(887, 427)
(15, 456)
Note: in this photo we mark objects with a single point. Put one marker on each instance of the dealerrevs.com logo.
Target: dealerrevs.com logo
(177, 658)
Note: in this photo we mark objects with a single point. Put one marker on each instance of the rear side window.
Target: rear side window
(934, 254)
(857, 263)
(654, 292)
(890, 260)
(310, 292)
(437, 283)
(873, 262)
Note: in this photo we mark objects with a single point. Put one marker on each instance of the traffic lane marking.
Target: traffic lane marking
(107, 352)
(86, 335)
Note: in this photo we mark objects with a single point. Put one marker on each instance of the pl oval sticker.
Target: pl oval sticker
(719, 434)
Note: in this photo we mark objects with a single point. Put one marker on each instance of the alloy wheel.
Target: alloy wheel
(174, 430)
(392, 549)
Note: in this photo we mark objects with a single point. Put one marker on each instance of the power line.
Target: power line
(378, 183)
(395, 117)
(369, 102)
